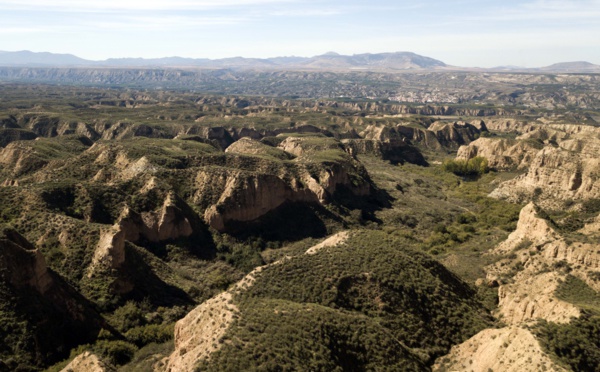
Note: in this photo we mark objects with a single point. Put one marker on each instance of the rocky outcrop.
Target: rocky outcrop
(536, 251)
(88, 362)
(20, 158)
(421, 136)
(244, 196)
(78, 128)
(389, 143)
(110, 252)
(508, 125)
(23, 265)
(538, 247)
(565, 169)
(501, 154)
(260, 185)
(395, 152)
(531, 228)
(169, 223)
(555, 174)
(454, 134)
(531, 297)
(441, 134)
(219, 134)
(510, 349)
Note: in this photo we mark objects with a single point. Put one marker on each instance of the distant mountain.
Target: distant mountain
(327, 61)
(141, 62)
(331, 60)
(579, 66)
(393, 61)
(45, 59)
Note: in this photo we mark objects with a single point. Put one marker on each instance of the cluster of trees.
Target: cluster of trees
(473, 167)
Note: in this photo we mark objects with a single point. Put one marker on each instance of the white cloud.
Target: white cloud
(19, 30)
(305, 13)
(133, 5)
(158, 23)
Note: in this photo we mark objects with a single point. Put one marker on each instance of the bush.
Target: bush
(127, 317)
(141, 336)
(472, 167)
(576, 344)
(115, 352)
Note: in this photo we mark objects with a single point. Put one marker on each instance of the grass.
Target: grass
(577, 292)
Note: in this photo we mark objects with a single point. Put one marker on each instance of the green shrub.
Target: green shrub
(473, 167)
(157, 333)
(115, 352)
(577, 344)
(128, 316)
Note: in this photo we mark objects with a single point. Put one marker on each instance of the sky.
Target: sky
(484, 33)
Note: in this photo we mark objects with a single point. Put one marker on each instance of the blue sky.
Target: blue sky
(481, 33)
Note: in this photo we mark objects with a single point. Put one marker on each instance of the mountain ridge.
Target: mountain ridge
(328, 61)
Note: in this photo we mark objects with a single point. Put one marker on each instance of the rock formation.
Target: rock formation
(320, 168)
(563, 170)
(510, 349)
(88, 362)
(501, 154)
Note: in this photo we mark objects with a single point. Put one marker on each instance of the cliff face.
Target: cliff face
(23, 265)
(168, 223)
(561, 161)
(55, 316)
(555, 174)
(529, 276)
(442, 135)
(502, 154)
(319, 169)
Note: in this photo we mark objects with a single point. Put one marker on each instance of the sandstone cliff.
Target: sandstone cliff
(529, 275)
(442, 134)
(565, 169)
(501, 154)
(320, 168)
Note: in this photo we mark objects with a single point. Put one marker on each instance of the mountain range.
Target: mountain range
(327, 61)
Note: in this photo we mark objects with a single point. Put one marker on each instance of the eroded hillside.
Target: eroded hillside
(182, 231)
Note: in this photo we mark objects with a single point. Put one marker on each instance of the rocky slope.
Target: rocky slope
(43, 316)
(207, 337)
(508, 349)
(546, 265)
(88, 362)
(197, 335)
(501, 154)
(561, 162)
(530, 275)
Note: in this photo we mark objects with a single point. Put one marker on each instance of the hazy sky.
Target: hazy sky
(484, 33)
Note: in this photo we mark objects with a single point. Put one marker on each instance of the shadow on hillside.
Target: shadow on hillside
(289, 222)
(146, 284)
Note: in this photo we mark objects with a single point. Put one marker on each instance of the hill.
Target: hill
(392, 61)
